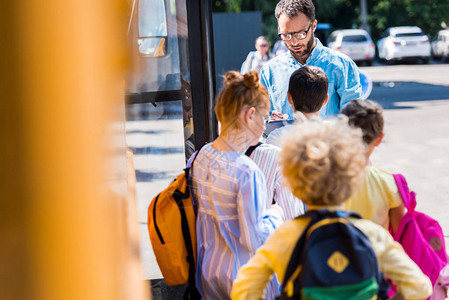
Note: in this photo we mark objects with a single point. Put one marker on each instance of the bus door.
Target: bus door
(169, 97)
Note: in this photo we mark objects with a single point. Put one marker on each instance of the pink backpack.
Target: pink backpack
(442, 285)
(421, 236)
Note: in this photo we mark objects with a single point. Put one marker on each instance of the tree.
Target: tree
(266, 7)
(427, 14)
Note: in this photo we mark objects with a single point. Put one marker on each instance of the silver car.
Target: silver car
(355, 43)
(440, 46)
(404, 43)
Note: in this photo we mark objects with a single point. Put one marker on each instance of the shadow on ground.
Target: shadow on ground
(389, 94)
(157, 150)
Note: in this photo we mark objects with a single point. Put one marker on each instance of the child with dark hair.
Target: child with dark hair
(378, 199)
(307, 93)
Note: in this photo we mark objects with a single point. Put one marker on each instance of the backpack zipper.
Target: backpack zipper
(154, 221)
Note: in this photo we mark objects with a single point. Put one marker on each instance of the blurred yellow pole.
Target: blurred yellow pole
(63, 190)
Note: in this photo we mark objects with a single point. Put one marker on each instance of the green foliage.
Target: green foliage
(427, 14)
(227, 5)
(266, 7)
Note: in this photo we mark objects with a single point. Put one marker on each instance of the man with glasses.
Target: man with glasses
(296, 27)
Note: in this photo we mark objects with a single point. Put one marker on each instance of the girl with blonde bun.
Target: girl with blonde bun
(233, 219)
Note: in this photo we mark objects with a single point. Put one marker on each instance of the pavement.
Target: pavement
(416, 103)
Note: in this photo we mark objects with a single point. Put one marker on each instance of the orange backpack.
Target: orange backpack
(172, 229)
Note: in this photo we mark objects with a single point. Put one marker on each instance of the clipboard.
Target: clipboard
(270, 126)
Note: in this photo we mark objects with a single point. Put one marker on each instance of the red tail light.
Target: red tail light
(396, 43)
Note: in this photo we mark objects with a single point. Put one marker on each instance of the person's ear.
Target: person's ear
(290, 100)
(379, 139)
(249, 114)
(314, 25)
(325, 100)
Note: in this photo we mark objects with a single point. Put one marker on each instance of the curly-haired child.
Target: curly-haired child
(324, 164)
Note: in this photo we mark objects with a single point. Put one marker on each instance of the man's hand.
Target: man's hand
(276, 116)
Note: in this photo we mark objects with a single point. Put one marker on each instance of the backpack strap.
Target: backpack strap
(251, 149)
(190, 182)
(191, 292)
(409, 198)
(187, 169)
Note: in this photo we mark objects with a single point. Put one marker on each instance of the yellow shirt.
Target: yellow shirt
(378, 194)
(274, 256)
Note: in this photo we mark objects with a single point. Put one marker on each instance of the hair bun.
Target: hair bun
(231, 76)
(251, 80)
(317, 149)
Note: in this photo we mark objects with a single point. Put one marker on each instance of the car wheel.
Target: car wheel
(425, 60)
(389, 61)
(369, 62)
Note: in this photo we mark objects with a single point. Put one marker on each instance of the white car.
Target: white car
(355, 43)
(440, 46)
(404, 42)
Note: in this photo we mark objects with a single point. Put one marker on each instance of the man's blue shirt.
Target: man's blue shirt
(341, 71)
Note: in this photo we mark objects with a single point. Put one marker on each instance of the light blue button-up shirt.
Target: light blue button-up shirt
(341, 71)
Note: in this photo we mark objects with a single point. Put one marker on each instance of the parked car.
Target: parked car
(404, 42)
(355, 43)
(440, 46)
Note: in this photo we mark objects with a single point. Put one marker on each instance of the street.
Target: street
(416, 103)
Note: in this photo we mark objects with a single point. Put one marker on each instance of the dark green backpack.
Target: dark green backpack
(333, 259)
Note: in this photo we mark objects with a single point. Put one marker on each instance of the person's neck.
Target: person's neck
(312, 114)
(368, 150)
(302, 60)
(231, 140)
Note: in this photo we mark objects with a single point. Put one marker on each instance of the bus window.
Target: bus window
(152, 28)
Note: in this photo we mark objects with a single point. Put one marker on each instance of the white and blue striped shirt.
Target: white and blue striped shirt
(233, 219)
(266, 157)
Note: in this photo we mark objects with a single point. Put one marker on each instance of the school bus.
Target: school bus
(81, 82)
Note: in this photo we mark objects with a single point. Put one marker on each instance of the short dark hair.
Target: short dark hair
(291, 8)
(308, 87)
(366, 115)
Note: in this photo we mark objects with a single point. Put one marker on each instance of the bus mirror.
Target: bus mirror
(153, 46)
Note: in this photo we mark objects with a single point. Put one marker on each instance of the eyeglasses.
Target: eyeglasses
(300, 35)
(263, 45)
